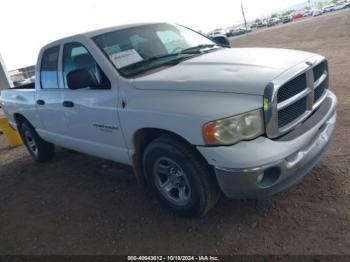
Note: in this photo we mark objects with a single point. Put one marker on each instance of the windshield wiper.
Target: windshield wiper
(187, 51)
(152, 62)
(196, 49)
(154, 58)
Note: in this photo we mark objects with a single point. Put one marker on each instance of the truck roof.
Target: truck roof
(114, 28)
(93, 33)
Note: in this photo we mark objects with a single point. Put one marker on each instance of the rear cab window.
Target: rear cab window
(49, 68)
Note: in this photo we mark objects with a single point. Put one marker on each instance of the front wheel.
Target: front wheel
(40, 150)
(180, 177)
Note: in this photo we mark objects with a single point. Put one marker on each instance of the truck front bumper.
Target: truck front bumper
(262, 167)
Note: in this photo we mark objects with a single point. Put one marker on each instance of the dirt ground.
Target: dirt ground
(79, 204)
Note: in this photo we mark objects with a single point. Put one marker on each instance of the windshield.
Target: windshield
(141, 48)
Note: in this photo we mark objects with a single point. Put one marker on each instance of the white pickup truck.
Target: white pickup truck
(193, 118)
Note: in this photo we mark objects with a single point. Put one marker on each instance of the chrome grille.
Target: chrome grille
(321, 80)
(292, 112)
(292, 88)
(288, 102)
(319, 91)
(319, 70)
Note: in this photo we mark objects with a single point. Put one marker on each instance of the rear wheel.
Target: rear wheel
(180, 178)
(40, 150)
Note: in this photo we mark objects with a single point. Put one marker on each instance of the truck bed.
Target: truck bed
(26, 86)
(18, 100)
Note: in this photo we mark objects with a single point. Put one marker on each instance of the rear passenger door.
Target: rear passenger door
(49, 93)
(91, 112)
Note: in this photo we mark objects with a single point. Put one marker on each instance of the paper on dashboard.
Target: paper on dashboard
(125, 58)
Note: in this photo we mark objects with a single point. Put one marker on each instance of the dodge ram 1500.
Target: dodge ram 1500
(193, 118)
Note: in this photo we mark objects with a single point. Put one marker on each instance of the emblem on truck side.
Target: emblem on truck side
(105, 128)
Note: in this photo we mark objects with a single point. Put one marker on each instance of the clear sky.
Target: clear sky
(27, 25)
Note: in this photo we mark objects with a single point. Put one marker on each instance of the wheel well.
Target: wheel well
(142, 139)
(20, 119)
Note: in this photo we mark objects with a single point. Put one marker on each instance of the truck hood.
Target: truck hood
(233, 70)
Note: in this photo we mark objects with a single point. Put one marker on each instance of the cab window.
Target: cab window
(76, 56)
(172, 41)
(49, 66)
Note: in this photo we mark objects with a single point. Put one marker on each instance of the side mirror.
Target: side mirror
(221, 40)
(81, 78)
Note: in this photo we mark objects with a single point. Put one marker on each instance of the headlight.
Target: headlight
(230, 130)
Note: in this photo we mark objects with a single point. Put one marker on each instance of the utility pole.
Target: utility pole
(245, 22)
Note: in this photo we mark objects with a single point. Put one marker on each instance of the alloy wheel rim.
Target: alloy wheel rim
(171, 181)
(33, 148)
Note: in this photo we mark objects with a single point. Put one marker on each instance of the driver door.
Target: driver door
(91, 112)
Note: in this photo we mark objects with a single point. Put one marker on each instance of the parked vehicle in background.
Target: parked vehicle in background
(221, 40)
(240, 30)
(270, 23)
(24, 81)
(317, 12)
(217, 32)
(278, 20)
(273, 21)
(308, 13)
(287, 19)
(297, 15)
(259, 23)
(193, 118)
(328, 8)
(341, 5)
(236, 31)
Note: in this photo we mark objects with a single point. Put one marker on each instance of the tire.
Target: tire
(40, 150)
(180, 178)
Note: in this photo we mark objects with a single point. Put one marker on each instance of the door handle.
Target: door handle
(68, 104)
(40, 102)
